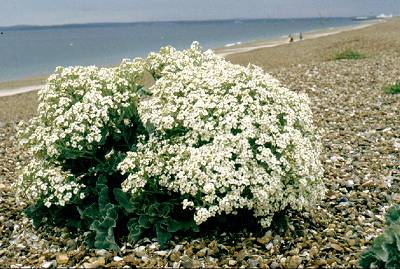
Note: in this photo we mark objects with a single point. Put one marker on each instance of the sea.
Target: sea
(30, 51)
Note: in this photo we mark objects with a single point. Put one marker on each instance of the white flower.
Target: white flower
(187, 204)
(40, 179)
(227, 134)
(79, 106)
(209, 188)
(108, 155)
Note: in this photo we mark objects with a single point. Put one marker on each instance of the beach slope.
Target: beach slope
(360, 131)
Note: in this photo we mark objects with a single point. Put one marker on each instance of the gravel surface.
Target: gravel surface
(360, 127)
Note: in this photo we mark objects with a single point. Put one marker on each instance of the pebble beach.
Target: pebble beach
(360, 130)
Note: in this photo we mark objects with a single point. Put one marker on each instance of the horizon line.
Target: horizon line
(26, 26)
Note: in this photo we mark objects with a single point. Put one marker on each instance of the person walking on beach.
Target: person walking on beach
(301, 36)
(290, 38)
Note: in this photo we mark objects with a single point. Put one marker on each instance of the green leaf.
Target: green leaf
(393, 215)
(152, 210)
(144, 222)
(380, 249)
(396, 233)
(367, 258)
(175, 226)
(103, 195)
(74, 223)
(103, 218)
(123, 200)
(393, 263)
(164, 210)
(135, 232)
(36, 213)
(91, 212)
(104, 229)
(163, 235)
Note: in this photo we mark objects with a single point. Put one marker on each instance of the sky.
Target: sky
(50, 12)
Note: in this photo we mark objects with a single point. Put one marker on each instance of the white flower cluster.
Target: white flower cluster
(229, 136)
(78, 109)
(80, 105)
(169, 60)
(224, 136)
(49, 183)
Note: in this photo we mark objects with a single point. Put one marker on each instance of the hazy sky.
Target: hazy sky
(46, 12)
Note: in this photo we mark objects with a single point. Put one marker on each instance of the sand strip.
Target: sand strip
(8, 92)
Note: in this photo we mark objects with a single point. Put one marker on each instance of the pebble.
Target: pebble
(269, 246)
(337, 247)
(274, 265)
(265, 239)
(118, 259)
(102, 252)
(294, 262)
(140, 251)
(349, 184)
(145, 259)
(232, 262)
(97, 261)
(89, 265)
(115, 264)
(161, 253)
(202, 252)
(351, 242)
(368, 183)
(330, 232)
(72, 244)
(49, 264)
(62, 259)
(313, 252)
(101, 261)
(186, 262)
(130, 259)
(175, 256)
(252, 263)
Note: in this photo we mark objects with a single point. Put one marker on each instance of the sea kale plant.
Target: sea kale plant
(208, 139)
(385, 250)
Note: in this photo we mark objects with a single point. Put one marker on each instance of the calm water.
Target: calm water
(33, 51)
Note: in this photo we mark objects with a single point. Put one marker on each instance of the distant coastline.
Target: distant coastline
(105, 24)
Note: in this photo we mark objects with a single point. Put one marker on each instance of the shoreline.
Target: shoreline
(9, 88)
(250, 46)
(19, 90)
